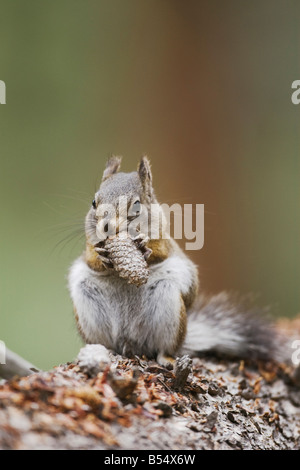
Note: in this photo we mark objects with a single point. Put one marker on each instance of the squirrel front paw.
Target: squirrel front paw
(141, 240)
(103, 256)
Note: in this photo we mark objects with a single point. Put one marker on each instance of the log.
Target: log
(15, 365)
(119, 403)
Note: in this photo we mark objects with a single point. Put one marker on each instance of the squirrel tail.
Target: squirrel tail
(228, 325)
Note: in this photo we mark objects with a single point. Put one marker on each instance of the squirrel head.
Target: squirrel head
(121, 199)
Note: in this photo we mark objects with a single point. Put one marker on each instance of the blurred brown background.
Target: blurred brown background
(202, 87)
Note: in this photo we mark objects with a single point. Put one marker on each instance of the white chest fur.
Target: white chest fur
(116, 314)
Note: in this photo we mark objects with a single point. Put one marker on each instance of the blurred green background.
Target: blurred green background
(202, 87)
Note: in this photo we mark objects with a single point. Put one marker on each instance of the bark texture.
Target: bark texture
(118, 403)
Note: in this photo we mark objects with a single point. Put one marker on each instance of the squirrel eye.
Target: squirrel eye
(137, 207)
(94, 204)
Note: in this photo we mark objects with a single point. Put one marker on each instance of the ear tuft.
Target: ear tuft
(144, 171)
(112, 166)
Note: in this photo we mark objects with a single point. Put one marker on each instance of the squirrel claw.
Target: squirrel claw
(147, 253)
(105, 261)
(141, 240)
(102, 256)
(100, 250)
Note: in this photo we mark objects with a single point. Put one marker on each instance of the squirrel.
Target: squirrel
(165, 317)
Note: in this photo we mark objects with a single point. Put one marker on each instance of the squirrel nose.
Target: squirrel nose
(110, 226)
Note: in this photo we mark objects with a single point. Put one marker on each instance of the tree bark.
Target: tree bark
(118, 403)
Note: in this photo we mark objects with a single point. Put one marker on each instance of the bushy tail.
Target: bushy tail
(228, 325)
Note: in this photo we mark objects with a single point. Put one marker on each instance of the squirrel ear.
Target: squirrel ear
(144, 171)
(112, 166)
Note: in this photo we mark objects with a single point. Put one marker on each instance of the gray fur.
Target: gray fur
(226, 324)
(123, 317)
(145, 174)
(120, 184)
(112, 167)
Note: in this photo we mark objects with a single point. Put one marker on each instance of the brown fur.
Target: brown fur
(168, 359)
(91, 258)
(78, 326)
(182, 326)
(161, 250)
(190, 297)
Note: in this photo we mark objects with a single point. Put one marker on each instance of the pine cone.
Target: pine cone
(127, 260)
